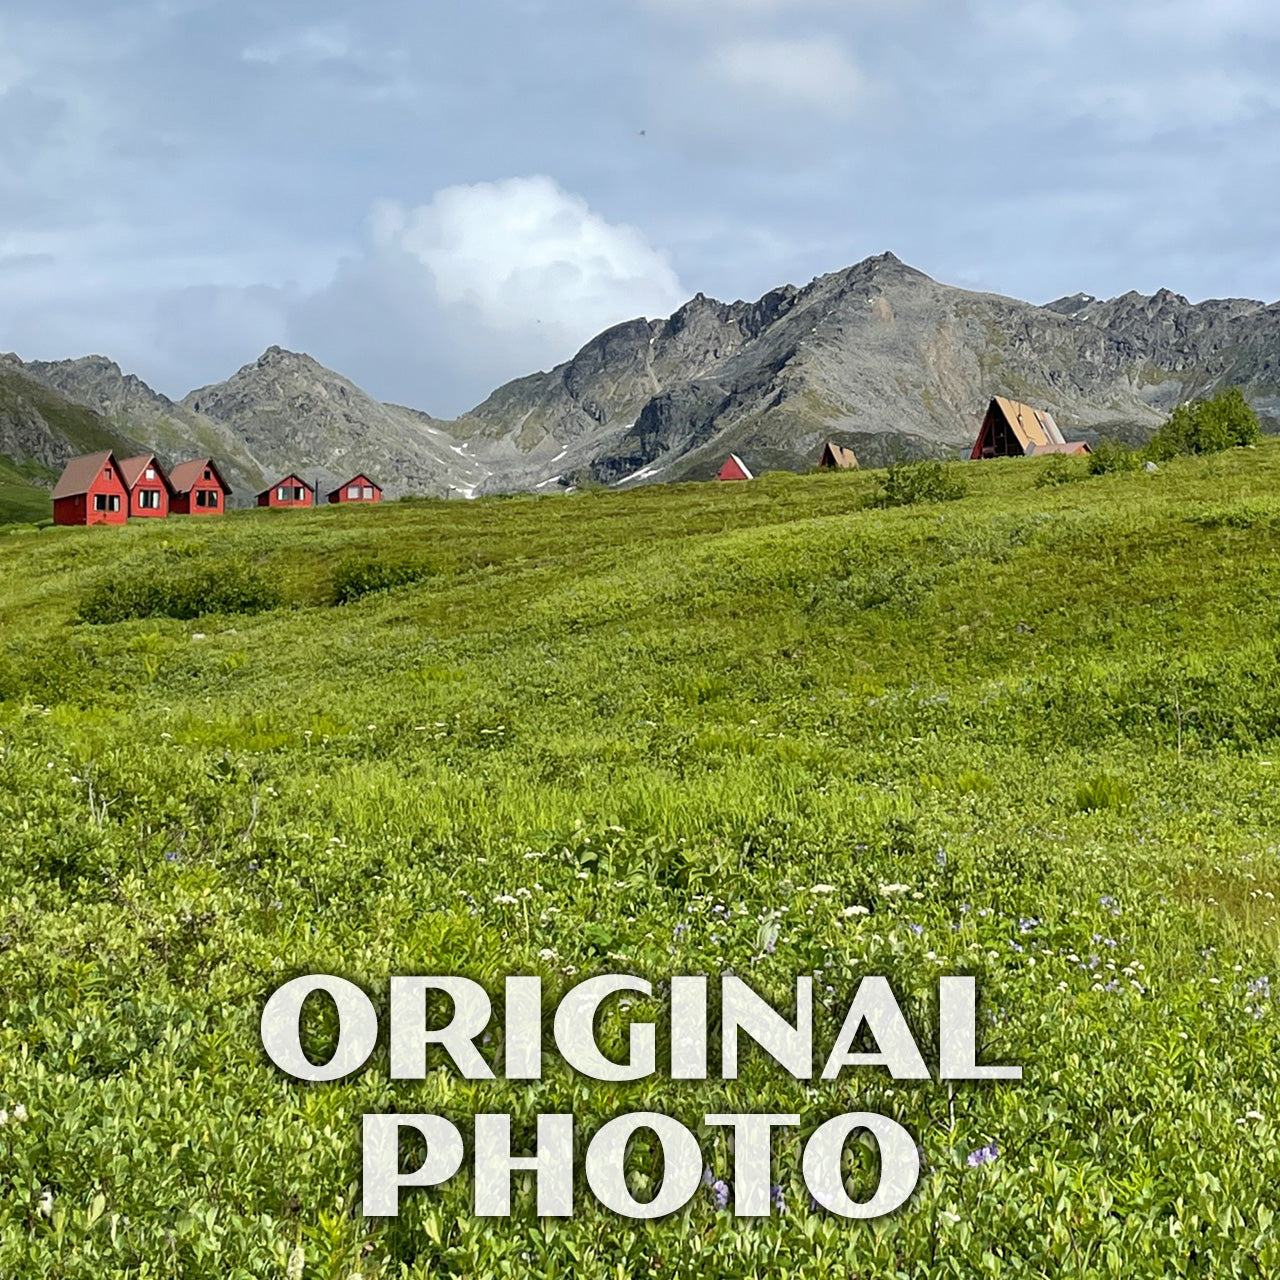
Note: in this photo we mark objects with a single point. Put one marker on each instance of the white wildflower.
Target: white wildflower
(823, 888)
(297, 1262)
(856, 911)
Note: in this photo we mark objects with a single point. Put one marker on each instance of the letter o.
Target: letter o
(357, 1028)
(681, 1160)
(899, 1165)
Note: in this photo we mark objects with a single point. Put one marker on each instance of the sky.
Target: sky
(432, 198)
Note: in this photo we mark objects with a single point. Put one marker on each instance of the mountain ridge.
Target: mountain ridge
(877, 355)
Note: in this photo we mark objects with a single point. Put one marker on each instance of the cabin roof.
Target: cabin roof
(79, 474)
(1033, 427)
(131, 470)
(186, 475)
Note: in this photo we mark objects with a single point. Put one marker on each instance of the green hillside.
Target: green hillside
(1031, 735)
(68, 428)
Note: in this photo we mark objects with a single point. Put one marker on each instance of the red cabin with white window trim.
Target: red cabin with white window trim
(198, 489)
(358, 489)
(292, 491)
(91, 491)
(150, 492)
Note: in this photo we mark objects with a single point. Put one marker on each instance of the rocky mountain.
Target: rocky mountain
(152, 420)
(293, 414)
(40, 428)
(877, 356)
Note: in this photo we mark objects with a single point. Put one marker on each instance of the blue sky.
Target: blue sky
(432, 198)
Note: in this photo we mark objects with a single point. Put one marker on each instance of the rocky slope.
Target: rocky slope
(292, 414)
(877, 356)
(154, 421)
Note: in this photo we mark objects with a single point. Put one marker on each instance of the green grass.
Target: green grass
(655, 732)
(24, 492)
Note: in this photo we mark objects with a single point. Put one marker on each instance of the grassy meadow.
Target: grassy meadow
(1031, 734)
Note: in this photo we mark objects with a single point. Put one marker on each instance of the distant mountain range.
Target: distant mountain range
(877, 356)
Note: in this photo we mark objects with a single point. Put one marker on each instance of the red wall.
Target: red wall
(185, 504)
(272, 499)
(149, 486)
(79, 508)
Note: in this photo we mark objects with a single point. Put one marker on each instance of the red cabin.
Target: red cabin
(734, 469)
(150, 492)
(292, 491)
(198, 489)
(91, 491)
(358, 489)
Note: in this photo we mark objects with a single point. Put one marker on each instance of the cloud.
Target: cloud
(330, 42)
(815, 73)
(525, 251)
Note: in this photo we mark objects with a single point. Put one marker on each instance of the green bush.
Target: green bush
(1207, 426)
(154, 589)
(1058, 470)
(1112, 455)
(360, 575)
(924, 481)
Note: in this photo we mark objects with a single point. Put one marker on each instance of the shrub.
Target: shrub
(360, 575)
(1112, 455)
(925, 481)
(153, 589)
(1207, 426)
(1058, 470)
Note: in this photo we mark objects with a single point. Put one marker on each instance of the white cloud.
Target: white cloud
(330, 42)
(814, 73)
(524, 251)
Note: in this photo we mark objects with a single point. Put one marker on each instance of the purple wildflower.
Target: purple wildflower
(720, 1193)
(679, 931)
(983, 1155)
(1027, 923)
(1260, 987)
(171, 857)
(917, 929)
(778, 1199)
(708, 1178)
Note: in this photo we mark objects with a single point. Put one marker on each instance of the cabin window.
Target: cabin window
(206, 497)
(208, 475)
(149, 500)
(151, 473)
(106, 471)
(106, 502)
(353, 491)
(368, 491)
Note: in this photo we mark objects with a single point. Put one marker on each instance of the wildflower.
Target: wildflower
(45, 1206)
(777, 1199)
(547, 953)
(720, 1193)
(19, 1113)
(856, 910)
(941, 859)
(889, 889)
(679, 931)
(505, 900)
(822, 888)
(1027, 923)
(297, 1261)
(917, 929)
(4, 1119)
(1253, 1115)
(171, 857)
(1260, 987)
(983, 1155)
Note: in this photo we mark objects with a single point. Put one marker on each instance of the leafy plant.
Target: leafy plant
(178, 587)
(1110, 456)
(926, 480)
(1210, 425)
(360, 575)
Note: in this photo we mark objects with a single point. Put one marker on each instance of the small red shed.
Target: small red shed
(358, 489)
(292, 491)
(91, 491)
(150, 492)
(735, 469)
(198, 489)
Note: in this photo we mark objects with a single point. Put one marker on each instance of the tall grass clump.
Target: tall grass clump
(928, 480)
(359, 576)
(184, 589)
(1112, 456)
